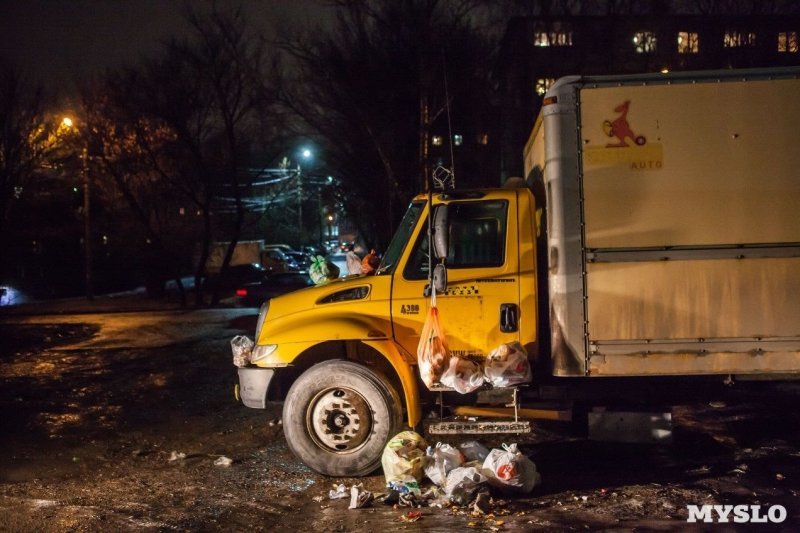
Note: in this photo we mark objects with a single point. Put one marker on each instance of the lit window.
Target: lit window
(552, 38)
(787, 42)
(688, 42)
(644, 42)
(483, 139)
(735, 39)
(542, 84)
(458, 140)
(436, 140)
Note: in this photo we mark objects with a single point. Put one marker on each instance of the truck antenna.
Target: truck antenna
(449, 124)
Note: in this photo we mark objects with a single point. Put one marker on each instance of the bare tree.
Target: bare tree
(30, 141)
(371, 88)
(212, 93)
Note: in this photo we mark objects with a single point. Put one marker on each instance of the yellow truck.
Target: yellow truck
(656, 236)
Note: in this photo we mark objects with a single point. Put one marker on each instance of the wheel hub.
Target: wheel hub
(340, 419)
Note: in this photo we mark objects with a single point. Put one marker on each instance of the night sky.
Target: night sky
(61, 42)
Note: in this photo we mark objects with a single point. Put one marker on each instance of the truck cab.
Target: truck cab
(349, 345)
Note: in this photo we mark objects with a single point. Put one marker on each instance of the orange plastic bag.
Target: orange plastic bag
(433, 355)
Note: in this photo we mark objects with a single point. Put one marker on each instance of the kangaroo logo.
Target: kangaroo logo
(620, 128)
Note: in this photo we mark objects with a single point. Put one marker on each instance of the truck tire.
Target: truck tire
(338, 416)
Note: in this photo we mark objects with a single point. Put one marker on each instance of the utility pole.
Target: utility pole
(87, 225)
(299, 198)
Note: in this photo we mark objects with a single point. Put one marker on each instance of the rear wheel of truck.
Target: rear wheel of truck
(338, 416)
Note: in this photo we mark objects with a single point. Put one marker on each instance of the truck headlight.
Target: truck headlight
(262, 351)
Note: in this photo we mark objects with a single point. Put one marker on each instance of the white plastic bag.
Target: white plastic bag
(462, 483)
(473, 450)
(507, 365)
(404, 455)
(463, 375)
(510, 470)
(242, 348)
(441, 460)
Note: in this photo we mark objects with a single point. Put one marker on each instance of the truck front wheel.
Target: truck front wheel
(338, 416)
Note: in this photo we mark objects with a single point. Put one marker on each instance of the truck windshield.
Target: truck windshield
(392, 255)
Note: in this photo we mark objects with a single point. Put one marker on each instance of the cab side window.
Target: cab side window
(477, 238)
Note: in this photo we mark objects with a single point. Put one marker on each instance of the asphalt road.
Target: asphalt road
(114, 422)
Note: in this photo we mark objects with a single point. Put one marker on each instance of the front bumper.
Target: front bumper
(253, 385)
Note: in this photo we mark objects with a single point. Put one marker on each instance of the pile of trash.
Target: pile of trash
(465, 475)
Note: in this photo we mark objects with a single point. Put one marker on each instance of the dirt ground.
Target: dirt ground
(93, 407)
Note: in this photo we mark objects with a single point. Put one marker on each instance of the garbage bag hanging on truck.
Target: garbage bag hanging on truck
(433, 355)
(508, 365)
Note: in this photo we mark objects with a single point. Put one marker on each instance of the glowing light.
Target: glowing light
(66, 122)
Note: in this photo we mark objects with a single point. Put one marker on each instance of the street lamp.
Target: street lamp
(67, 122)
(306, 154)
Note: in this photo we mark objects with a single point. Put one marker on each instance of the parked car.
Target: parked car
(302, 259)
(313, 250)
(282, 247)
(253, 294)
(276, 260)
(236, 276)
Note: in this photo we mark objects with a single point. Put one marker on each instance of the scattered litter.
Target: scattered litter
(738, 471)
(223, 461)
(780, 477)
(585, 499)
(177, 456)
(338, 492)
(318, 499)
(718, 405)
(411, 516)
(242, 348)
(359, 497)
(482, 504)
(276, 422)
(407, 485)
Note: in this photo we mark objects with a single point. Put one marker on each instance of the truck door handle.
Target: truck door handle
(508, 318)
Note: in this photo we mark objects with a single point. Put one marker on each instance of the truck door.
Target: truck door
(480, 309)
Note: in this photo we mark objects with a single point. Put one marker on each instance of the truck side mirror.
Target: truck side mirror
(440, 232)
(440, 278)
